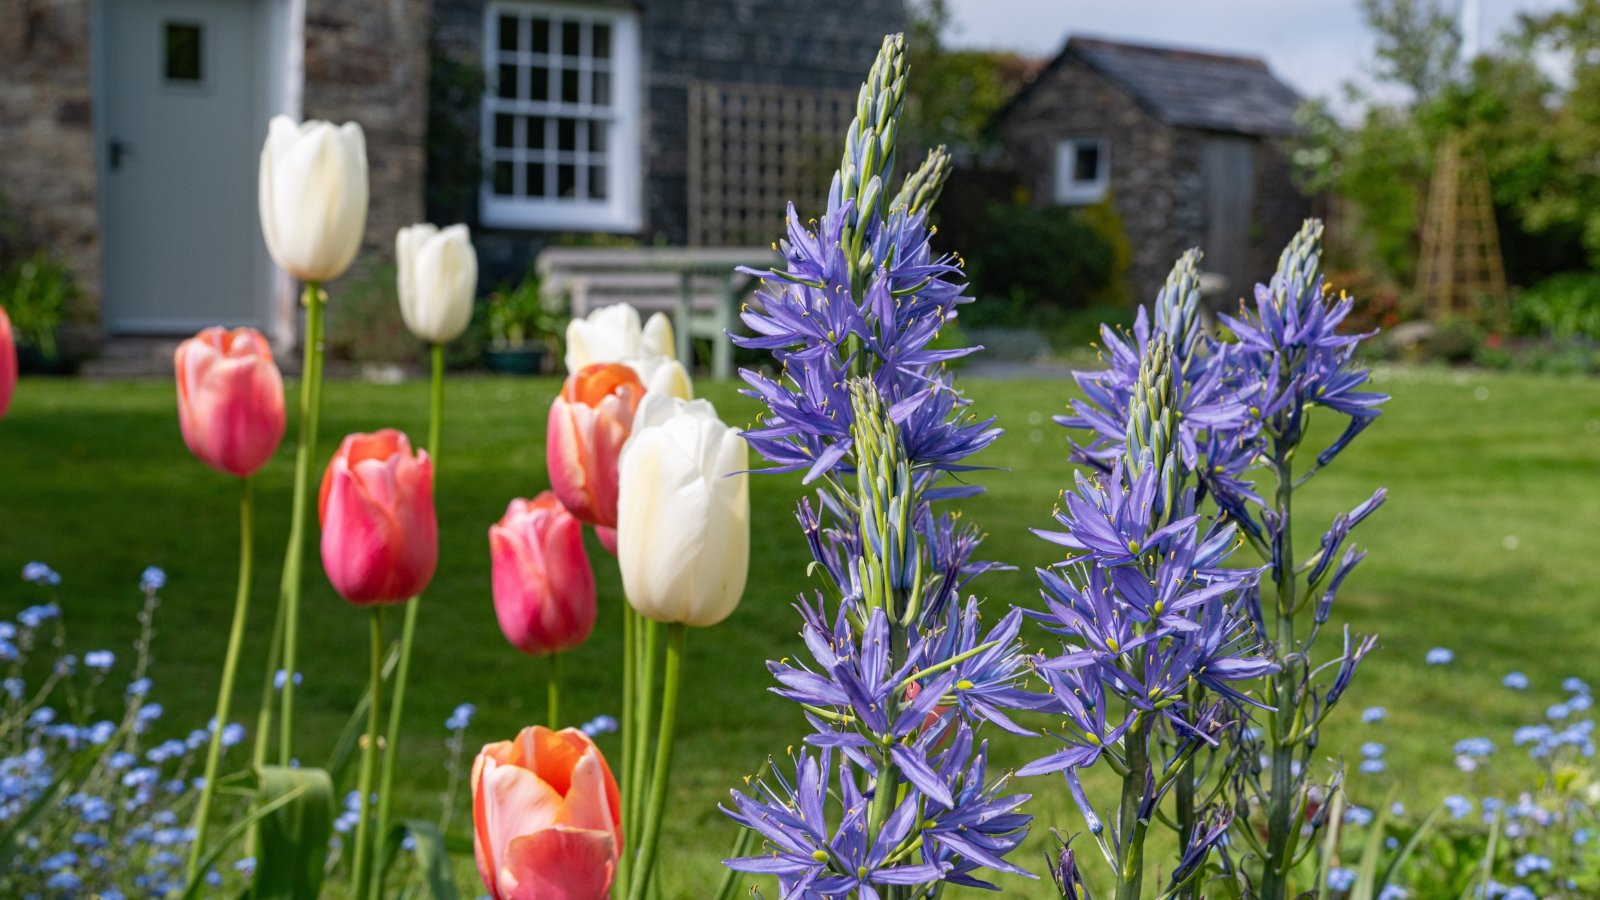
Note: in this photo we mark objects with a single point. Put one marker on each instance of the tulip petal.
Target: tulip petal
(559, 863)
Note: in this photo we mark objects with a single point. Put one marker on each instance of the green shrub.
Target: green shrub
(364, 321)
(1561, 307)
(1034, 261)
(36, 293)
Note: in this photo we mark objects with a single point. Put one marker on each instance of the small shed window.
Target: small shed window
(560, 131)
(1083, 171)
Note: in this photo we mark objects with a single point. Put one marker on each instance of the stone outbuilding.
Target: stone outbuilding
(1190, 146)
(130, 129)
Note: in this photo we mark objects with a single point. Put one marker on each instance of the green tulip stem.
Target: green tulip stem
(408, 631)
(644, 695)
(230, 665)
(361, 867)
(663, 762)
(553, 692)
(289, 590)
(258, 757)
(630, 638)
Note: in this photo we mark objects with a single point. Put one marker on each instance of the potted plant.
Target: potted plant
(36, 292)
(522, 331)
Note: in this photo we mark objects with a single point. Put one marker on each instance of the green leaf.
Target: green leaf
(292, 841)
(1410, 846)
(227, 839)
(430, 851)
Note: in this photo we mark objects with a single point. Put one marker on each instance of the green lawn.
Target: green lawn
(1487, 546)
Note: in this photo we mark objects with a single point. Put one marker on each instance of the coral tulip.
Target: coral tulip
(8, 363)
(546, 817)
(230, 399)
(589, 423)
(313, 196)
(612, 334)
(683, 520)
(380, 539)
(543, 585)
(438, 278)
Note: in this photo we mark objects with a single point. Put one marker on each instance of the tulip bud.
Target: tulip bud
(8, 363)
(230, 399)
(683, 515)
(380, 539)
(313, 196)
(612, 334)
(589, 423)
(543, 585)
(438, 278)
(546, 817)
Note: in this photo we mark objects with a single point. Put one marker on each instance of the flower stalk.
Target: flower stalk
(361, 867)
(230, 666)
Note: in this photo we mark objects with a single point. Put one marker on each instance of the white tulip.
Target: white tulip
(438, 280)
(612, 334)
(683, 512)
(313, 196)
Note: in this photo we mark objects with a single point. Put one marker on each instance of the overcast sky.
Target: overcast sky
(1315, 45)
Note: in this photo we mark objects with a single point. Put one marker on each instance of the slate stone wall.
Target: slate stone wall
(49, 194)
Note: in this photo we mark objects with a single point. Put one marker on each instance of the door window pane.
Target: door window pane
(182, 51)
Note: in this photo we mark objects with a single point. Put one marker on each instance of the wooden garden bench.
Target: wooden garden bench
(700, 287)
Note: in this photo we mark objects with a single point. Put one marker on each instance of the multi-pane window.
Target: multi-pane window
(560, 135)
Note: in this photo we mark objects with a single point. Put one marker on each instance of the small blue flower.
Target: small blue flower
(1516, 681)
(1374, 714)
(1575, 685)
(1474, 746)
(34, 616)
(152, 579)
(14, 688)
(232, 734)
(1372, 766)
(40, 574)
(1371, 750)
(461, 717)
(1341, 879)
(1458, 806)
(1358, 816)
(1397, 809)
(1532, 862)
(246, 866)
(281, 677)
(65, 881)
(1393, 891)
(1580, 837)
(600, 725)
(1519, 892)
(100, 660)
(138, 687)
(1558, 711)
(1440, 656)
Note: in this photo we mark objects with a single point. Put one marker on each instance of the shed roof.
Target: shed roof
(1190, 88)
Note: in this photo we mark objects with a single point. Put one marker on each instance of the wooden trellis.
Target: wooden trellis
(754, 148)
(1460, 268)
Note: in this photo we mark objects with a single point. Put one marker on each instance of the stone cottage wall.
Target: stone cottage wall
(816, 44)
(1280, 206)
(1155, 177)
(367, 61)
(48, 188)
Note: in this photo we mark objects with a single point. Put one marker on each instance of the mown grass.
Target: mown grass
(1487, 546)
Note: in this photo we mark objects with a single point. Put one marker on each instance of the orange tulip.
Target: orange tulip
(543, 585)
(546, 817)
(589, 423)
(380, 539)
(8, 363)
(230, 399)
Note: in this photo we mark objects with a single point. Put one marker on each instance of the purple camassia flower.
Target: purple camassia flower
(808, 317)
(809, 857)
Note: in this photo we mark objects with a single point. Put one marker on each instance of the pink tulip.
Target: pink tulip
(380, 539)
(230, 399)
(589, 423)
(543, 585)
(546, 817)
(8, 363)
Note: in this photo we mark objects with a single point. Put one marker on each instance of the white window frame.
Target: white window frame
(621, 210)
(1071, 190)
